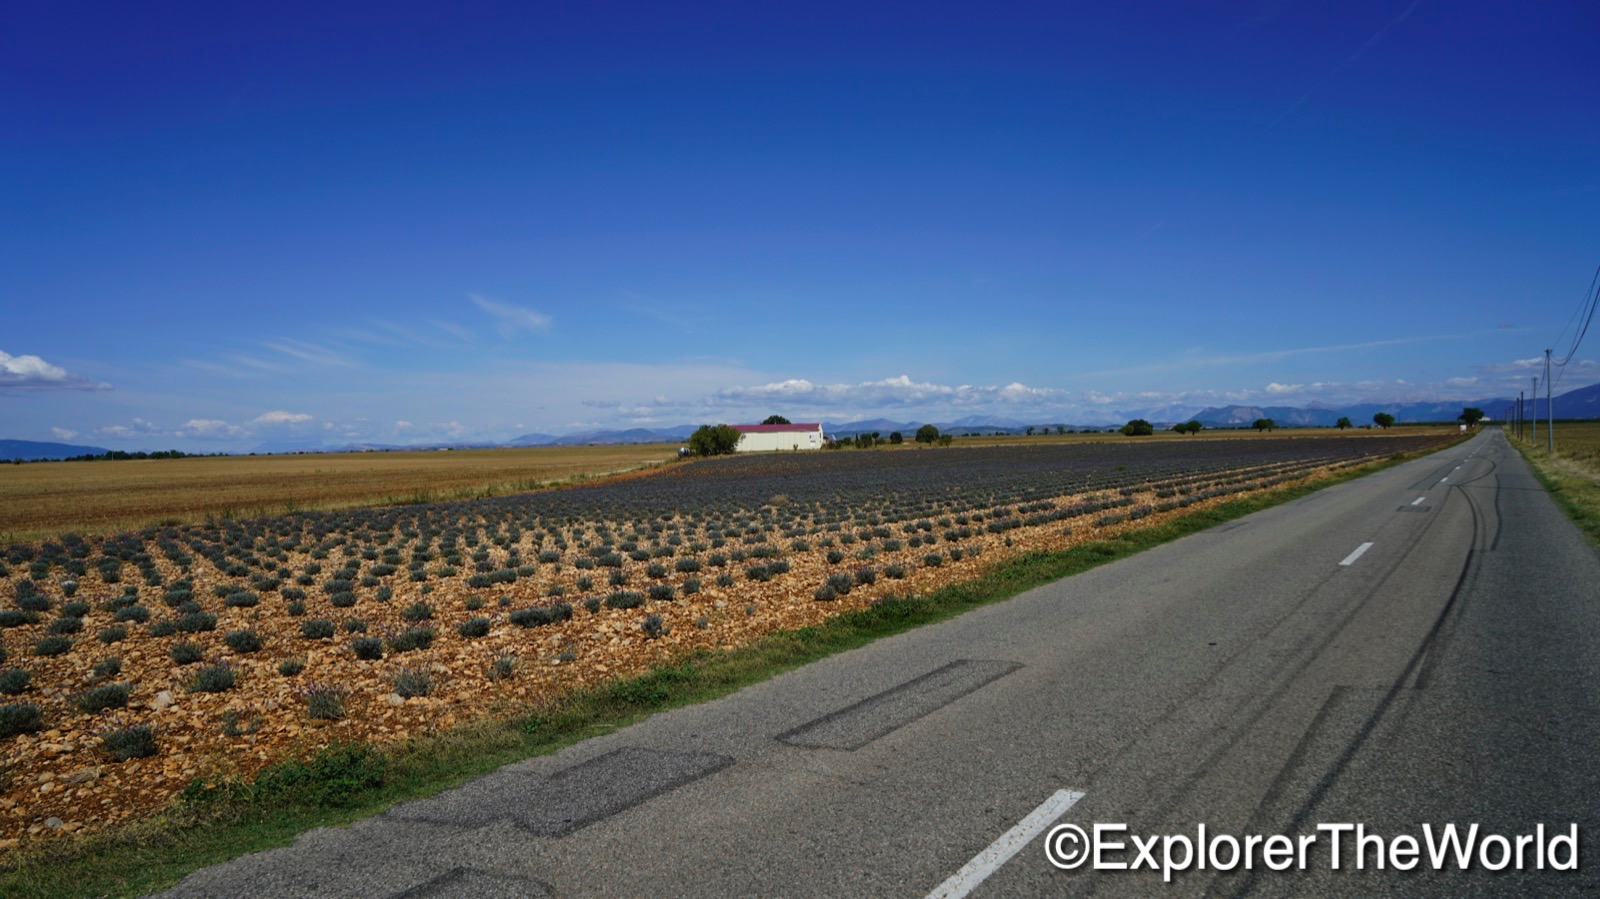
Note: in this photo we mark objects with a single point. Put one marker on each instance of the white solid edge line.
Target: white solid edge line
(1350, 559)
(1010, 843)
(1418, 501)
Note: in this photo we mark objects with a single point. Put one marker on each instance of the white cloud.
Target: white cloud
(434, 430)
(430, 334)
(1184, 363)
(63, 433)
(1499, 381)
(280, 417)
(209, 427)
(454, 330)
(893, 392)
(242, 361)
(1533, 366)
(309, 352)
(30, 368)
(32, 372)
(641, 412)
(137, 428)
(902, 396)
(932, 401)
(1016, 392)
(510, 318)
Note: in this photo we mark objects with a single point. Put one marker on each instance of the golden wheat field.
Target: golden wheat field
(41, 499)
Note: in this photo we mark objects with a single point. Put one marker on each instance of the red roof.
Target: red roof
(798, 427)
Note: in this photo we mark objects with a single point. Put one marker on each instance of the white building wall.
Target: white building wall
(780, 440)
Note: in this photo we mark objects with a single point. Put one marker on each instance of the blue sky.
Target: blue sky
(227, 225)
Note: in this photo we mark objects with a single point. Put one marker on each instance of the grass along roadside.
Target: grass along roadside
(345, 783)
(1572, 475)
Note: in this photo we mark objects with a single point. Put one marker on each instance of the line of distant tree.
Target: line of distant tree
(120, 455)
(927, 434)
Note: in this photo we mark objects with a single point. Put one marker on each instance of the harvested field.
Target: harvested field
(43, 499)
(238, 643)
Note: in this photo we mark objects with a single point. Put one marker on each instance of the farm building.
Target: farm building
(756, 438)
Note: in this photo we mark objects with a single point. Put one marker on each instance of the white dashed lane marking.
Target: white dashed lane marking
(1010, 843)
(1351, 559)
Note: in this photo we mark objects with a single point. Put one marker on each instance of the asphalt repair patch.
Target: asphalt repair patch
(578, 796)
(857, 725)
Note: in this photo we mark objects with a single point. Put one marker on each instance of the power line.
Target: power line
(1585, 313)
(1576, 314)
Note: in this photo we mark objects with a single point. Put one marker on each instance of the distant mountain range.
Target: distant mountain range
(1581, 403)
(676, 434)
(33, 450)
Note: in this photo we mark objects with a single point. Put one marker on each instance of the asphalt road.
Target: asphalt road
(1267, 677)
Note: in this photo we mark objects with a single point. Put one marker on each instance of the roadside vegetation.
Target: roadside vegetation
(1572, 474)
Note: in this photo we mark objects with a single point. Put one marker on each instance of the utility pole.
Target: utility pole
(1533, 406)
(1549, 407)
(1519, 415)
